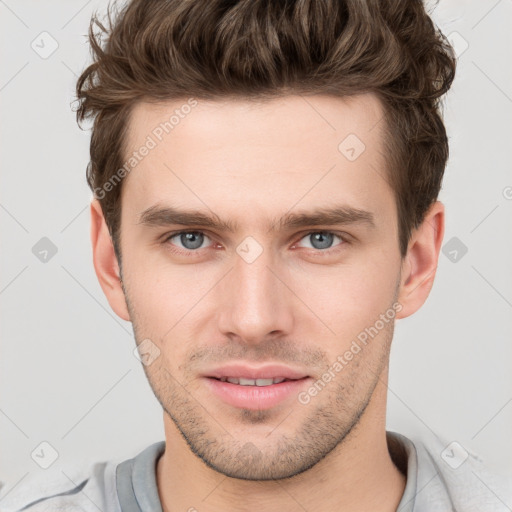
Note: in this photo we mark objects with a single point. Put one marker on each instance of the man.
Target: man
(265, 178)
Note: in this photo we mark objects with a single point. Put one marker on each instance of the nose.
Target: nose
(254, 301)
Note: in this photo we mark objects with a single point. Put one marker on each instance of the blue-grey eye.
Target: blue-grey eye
(190, 239)
(321, 239)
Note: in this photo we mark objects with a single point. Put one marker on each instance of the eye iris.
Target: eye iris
(191, 240)
(324, 240)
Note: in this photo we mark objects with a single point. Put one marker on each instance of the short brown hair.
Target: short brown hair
(157, 50)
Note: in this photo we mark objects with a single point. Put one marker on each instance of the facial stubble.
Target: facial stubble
(323, 424)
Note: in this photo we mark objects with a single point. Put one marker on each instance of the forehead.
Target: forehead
(234, 155)
(295, 117)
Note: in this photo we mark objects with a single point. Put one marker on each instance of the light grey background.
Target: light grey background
(68, 375)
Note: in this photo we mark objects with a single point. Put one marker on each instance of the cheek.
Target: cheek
(352, 297)
(167, 299)
(162, 294)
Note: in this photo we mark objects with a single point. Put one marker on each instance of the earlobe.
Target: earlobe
(420, 263)
(105, 262)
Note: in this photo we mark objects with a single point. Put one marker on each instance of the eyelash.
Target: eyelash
(189, 252)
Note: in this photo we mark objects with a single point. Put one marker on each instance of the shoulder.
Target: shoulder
(82, 489)
(451, 473)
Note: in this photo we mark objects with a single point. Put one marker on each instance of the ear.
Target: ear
(105, 262)
(420, 263)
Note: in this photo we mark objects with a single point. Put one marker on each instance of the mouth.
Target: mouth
(254, 382)
(256, 394)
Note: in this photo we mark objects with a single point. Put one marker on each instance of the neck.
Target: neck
(358, 475)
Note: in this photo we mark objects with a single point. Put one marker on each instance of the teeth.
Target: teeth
(252, 382)
(247, 382)
(264, 382)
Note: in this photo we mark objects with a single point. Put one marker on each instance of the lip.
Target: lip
(268, 371)
(256, 397)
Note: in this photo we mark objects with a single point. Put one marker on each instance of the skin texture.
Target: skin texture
(298, 303)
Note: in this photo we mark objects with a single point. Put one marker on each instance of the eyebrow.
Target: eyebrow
(167, 215)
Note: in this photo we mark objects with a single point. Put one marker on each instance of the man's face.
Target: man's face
(266, 292)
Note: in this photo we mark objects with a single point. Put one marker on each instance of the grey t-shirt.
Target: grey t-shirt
(441, 477)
